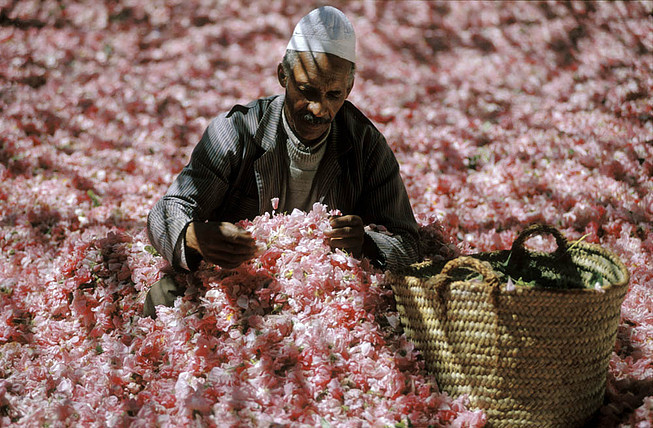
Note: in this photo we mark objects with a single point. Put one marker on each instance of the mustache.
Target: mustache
(314, 120)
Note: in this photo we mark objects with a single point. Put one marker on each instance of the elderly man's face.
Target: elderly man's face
(315, 91)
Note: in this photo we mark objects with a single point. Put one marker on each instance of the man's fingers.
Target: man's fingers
(226, 260)
(223, 244)
(345, 243)
(346, 221)
(345, 232)
(232, 233)
(228, 254)
(346, 225)
(230, 247)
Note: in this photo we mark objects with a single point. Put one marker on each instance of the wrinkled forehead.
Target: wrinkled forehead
(321, 69)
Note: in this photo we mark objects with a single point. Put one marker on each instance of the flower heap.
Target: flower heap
(300, 336)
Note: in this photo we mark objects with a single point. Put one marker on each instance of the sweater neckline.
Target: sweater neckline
(297, 144)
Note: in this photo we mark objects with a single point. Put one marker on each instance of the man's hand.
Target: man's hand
(221, 243)
(347, 233)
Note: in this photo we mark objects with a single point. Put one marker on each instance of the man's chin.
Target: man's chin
(312, 133)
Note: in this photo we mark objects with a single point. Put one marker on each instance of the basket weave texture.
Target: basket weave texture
(526, 335)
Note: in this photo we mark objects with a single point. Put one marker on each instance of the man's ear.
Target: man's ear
(281, 75)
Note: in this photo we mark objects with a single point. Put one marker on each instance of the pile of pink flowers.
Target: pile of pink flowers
(301, 336)
(500, 113)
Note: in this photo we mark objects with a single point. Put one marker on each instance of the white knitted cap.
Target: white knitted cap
(325, 29)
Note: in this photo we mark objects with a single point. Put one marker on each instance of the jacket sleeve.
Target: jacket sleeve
(197, 191)
(387, 211)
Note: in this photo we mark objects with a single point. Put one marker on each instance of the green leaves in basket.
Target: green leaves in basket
(523, 283)
(474, 277)
(596, 281)
(503, 266)
(575, 243)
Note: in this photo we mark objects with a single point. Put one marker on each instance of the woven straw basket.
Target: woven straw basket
(526, 335)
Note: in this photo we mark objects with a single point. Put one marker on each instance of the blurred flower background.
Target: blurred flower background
(500, 113)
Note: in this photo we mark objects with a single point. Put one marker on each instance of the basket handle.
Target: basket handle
(519, 252)
(475, 264)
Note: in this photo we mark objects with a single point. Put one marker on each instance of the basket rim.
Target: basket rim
(405, 273)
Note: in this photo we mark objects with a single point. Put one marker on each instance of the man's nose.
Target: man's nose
(317, 108)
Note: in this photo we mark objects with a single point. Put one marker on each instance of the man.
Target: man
(309, 145)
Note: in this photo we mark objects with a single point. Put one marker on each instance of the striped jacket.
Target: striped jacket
(240, 163)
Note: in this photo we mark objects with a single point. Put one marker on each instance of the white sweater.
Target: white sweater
(304, 161)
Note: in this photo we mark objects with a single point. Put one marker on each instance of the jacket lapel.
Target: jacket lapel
(270, 168)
